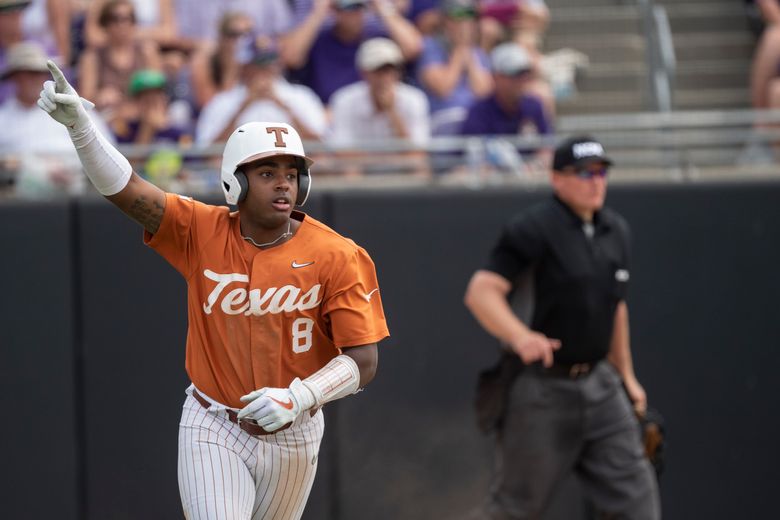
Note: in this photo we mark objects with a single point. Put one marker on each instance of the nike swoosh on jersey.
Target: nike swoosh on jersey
(369, 295)
(288, 404)
(296, 265)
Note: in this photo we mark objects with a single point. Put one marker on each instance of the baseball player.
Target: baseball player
(284, 313)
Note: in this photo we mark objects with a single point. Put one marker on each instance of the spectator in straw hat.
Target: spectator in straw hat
(11, 33)
(38, 150)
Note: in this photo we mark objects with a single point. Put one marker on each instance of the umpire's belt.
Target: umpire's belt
(251, 427)
(569, 371)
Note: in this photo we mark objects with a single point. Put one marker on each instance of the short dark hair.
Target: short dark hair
(107, 11)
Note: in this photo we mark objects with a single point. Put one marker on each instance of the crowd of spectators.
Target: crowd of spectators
(345, 73)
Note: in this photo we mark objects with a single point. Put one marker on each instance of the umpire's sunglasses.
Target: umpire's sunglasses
(589, 174)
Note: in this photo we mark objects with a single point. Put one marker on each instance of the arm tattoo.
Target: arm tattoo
(149, 215)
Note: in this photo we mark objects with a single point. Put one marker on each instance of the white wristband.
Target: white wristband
(108, 169)
(339, 378)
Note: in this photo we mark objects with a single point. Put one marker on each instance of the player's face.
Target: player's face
(583, 189)
(273, 188)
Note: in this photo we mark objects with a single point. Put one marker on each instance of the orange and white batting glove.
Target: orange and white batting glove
(272, 408)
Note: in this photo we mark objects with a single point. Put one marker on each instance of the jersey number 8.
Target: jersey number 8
(301, 334)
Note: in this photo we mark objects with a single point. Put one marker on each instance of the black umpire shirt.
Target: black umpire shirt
(578, 274)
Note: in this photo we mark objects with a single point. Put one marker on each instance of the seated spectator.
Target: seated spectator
(155, 19)
(196, 19)
(262, 95)
(104, 72)
(11, 33)
(765, 73)
(453, 70)
(216, 68)
(511, 110)
(324, 57)
(381, 108)
(38, 150)
(153, 121)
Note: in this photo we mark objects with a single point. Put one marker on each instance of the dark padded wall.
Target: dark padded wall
(39, 465)
(705, 327)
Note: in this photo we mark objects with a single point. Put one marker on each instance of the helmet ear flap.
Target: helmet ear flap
(243, 184)
(304, 183)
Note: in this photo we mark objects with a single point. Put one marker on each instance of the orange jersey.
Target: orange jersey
(258, 317)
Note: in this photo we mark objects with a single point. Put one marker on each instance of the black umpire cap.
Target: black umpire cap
(579, 152)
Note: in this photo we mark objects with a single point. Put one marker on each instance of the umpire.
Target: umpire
(557, 399)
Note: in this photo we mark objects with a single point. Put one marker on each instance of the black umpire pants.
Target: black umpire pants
(555, 425)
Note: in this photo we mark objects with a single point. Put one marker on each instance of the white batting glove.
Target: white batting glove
(61, 101)
(272, 408)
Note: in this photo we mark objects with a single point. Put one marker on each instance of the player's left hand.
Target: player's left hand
(272, 408)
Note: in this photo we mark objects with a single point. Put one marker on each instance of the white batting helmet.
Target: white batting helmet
(256, 140)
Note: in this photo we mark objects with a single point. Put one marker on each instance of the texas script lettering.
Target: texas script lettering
(257, 302)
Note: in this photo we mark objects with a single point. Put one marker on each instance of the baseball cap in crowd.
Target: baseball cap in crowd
(510, 59)
(459, 8)
(378, 52)
(146, 79)
(346, 5)
(25, 56)
(579, 152)
(13, 5)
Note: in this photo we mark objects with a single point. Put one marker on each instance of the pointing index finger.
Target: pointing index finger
(59, 77)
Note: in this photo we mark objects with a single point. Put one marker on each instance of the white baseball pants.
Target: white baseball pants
(226, 473)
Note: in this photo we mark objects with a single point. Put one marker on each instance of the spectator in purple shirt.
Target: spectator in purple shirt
(452, 69)
(511, 110)
(324, 57)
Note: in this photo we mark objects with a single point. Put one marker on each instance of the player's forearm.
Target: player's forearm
(366, 357)
(339, 378)
(107, 169)
(620, 345)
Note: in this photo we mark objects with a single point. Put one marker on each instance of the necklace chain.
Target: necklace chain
(272, 242)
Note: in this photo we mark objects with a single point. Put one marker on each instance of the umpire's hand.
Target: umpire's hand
(534, 346)
(61, 101)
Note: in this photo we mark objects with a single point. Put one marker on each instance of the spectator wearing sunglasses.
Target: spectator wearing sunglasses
(217, 68)
(556, 400)
(105, 71)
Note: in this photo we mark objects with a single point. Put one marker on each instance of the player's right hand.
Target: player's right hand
(61, 101)
(535, 346)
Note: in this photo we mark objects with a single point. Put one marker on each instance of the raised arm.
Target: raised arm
(107, 169)
(294, 46)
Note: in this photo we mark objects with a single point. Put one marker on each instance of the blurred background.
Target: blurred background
(425, 140)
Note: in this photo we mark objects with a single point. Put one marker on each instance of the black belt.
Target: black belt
(251, 427)
(570, 371)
